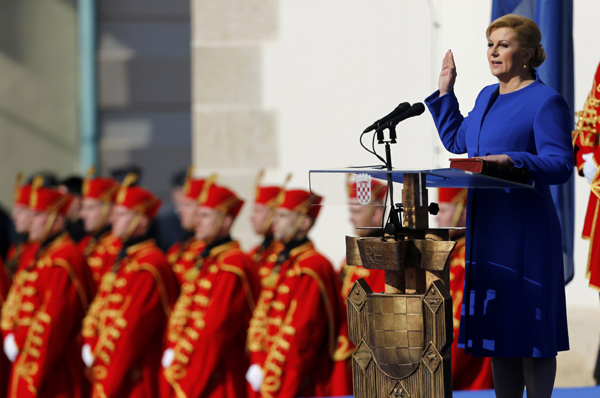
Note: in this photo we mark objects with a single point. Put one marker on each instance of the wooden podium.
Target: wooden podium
(403, 336)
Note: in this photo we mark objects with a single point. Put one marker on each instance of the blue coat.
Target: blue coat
(514, 297)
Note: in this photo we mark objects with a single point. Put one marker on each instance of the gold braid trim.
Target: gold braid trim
(106, 332)
(595, 185)
(25, 368)
(328, 308)
(159, 284)
(173, 373)
(235, 270)
(273, 383)
(588, 270)
(344, 349)
(13, 302)
(100, 390)
(59, 262)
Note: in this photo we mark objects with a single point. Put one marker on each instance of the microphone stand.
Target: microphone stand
(393, 225)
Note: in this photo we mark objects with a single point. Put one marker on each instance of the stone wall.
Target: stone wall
(38, 90)
(234, 135)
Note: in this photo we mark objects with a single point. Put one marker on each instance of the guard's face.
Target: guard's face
(284, 223)
(260, 216)
(208, 222)
(505, 56)
(22, 216)
(187, 212)
(362, 216)
(37, 229)
(121, 219)
(445, 217)
(93, 214)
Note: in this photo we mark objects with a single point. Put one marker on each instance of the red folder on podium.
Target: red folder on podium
(491, 169)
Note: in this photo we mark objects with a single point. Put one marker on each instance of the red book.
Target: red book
(491, 169)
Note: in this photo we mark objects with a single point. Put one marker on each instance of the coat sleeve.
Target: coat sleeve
(450, 123)
(553, 161)
(206, 339)
(51, 327)
(121, 344)
(299, 342)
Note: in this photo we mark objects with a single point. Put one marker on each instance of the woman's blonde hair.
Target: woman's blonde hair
(527, 32)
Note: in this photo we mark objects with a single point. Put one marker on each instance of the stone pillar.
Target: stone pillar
(232, 132)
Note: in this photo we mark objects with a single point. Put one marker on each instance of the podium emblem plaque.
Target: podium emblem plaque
(363, 188)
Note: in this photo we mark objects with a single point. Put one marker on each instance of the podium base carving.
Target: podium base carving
(403, 342)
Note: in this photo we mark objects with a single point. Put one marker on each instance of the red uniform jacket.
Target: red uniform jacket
(54, 291)
(305, 315)
(468, 373)
(585, 140)
(100, 253)
(126, 323)
(4, 362)
(182, 256)
(19, 254)
(350, 274)
(264, 259)
(207, 329)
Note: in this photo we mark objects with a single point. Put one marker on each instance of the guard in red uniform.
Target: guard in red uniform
(305, 311)
(100, 247)
(468, 373)
(182, 254)
(21, 216)
(4, 362)
(125, 326)
(56, 287)
(586, 144)
(206, 352)
(266, 201)
(587, 156)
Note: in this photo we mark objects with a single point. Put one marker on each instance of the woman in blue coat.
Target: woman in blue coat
(514, 300)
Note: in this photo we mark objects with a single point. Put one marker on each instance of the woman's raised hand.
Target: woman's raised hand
(448, 74)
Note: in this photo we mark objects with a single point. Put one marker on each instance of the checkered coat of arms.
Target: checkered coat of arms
(363, 188)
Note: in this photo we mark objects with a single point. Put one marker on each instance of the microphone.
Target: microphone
(415, 110)
(399, 110)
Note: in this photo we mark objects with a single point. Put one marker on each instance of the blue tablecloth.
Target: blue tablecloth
(580, 392)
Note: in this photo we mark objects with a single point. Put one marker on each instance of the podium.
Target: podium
(403, 335)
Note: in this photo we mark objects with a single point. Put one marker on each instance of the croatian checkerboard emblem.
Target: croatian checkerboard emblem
(363, 188)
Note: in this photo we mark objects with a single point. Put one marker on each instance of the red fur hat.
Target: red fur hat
(137, 198)
(192, 188)
(48, 199)
(220, 198)
(302, 202)
(101, 188)
(22, 192)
